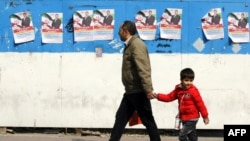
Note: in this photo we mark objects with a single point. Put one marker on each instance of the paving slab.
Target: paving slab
(105, 137)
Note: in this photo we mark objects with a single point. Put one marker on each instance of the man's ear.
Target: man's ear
(126, 32)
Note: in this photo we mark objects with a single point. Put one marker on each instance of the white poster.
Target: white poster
(238, 27)
(212, 24)
(52, 31)
(83, 25)
(171, 23)
(22, 27)
(103, 20)
(145, 21)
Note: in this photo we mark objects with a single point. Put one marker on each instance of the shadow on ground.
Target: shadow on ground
(101, 131)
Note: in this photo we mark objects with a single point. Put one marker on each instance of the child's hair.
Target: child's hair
(187, 73)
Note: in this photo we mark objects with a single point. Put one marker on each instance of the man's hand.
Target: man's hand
(150, 95)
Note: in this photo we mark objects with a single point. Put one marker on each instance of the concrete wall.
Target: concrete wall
(66, 85)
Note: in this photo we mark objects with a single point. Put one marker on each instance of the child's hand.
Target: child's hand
(206, 121)
(155, 95)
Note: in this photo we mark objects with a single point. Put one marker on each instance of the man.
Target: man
(25, 20)
(108, 19)
(56, 23)
(150, 19)
(242, 21)
(136, 78)
(175, 18)
(86, 21)
(215, 17)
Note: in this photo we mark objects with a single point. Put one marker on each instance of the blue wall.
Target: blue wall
(193, 11)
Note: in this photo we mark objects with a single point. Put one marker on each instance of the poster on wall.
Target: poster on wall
(171, 23)
(212, 24)
(145, 21)
(238, 27)
(83, 26)
(103, 22)
(22, 27)
(52, 31)
(98, 52)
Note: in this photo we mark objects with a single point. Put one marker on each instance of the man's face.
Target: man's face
(108, 12)
(122, 34)
(242, 16)
(56, 16)
(150, 13)
(86, 14)
(176, 12)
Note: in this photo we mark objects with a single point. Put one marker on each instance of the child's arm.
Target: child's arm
(165, 97)
(200, 105)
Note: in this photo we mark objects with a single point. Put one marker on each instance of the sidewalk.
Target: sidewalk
(61, 137)
(57, 134)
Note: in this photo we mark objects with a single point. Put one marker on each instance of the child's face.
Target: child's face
(186, 82)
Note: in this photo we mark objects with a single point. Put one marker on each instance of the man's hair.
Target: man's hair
(187, 73)
(130, 27)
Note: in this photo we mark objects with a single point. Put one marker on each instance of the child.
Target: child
(190, 103)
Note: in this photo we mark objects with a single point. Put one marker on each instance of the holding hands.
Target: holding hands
(151, 95)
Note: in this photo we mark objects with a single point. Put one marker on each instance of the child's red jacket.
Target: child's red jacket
(190, 102)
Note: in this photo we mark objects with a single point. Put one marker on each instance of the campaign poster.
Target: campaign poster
(22, 27)
(103, 22)
(212, 24)
(238, 27)
(145, 21)
(171, 23)
(83, 25)
(52, 31)
(98, 52)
